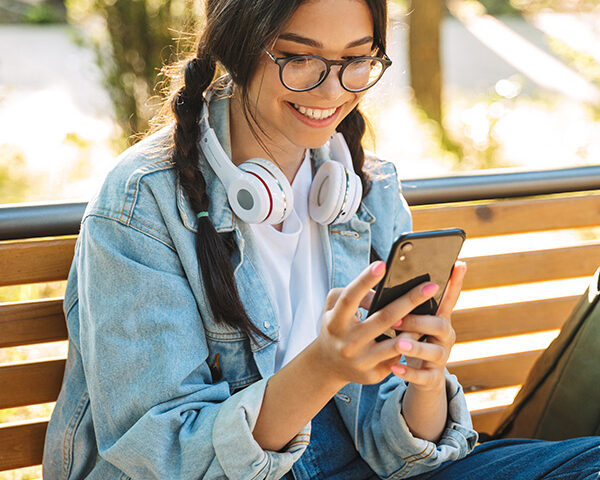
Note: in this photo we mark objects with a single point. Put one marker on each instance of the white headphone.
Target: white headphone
(258, 191)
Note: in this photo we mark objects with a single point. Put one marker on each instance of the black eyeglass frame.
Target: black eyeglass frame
(282, 61)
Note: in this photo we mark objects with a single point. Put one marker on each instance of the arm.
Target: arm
(344, 352)
(157, 412)
(294, 395)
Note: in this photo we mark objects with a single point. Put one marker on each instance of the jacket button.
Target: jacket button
(267, 324)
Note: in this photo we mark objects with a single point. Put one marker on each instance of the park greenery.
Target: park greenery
(134, 40)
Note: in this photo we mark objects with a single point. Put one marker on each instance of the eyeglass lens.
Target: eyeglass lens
(306, 72)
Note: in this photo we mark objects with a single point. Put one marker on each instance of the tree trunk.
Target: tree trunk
(424, 55)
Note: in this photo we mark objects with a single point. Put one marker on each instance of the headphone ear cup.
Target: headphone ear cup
(335, 194)
(327, 193)
(248, 199)
(277, 190)
(354, 197)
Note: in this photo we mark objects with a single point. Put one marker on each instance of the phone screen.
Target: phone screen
(416, 258)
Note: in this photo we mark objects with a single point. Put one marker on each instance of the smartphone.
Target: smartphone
(416, 258)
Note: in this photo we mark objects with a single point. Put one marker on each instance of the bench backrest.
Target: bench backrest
(46, 260)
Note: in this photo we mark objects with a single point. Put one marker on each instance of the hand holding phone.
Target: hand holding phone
(416, 258)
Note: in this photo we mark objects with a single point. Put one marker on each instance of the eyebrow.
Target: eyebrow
(294, 37)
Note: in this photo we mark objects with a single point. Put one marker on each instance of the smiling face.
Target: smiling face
(333, 29)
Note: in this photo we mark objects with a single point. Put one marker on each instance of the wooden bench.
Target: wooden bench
(26, 261)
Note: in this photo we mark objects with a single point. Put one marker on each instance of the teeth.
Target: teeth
(314, 113)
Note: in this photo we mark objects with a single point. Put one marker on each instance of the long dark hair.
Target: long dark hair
(233, 38)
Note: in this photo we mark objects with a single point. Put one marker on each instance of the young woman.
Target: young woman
(216, 296)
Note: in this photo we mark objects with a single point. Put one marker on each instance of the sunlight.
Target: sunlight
(522, 293)
(569, 29)
(498, 397)
(542, 68)
(502, 346)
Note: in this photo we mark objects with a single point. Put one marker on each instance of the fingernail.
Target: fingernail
(397, 324)
(378, 268)
(404, 346)
(398, 369)
(429, 289)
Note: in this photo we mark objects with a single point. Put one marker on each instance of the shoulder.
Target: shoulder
(382, 174)
(137, 190)
(385, 183)
(385, 202)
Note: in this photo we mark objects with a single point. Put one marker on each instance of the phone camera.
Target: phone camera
(407, 247)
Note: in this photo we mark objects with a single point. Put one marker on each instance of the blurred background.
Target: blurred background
(475, 84)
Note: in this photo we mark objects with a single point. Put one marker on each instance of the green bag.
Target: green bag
(561, 397)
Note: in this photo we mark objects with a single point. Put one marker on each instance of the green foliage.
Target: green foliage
(584, 63)
(14, 182)
(42, 13)
(136, 39)
(500, 7)
(532, 6)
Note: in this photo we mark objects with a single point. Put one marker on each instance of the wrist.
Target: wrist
(319, 363)
(432, 390)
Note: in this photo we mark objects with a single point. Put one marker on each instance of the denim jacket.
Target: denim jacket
(154, 388)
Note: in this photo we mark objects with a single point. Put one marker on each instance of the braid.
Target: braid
(353, 128)
(213, 251)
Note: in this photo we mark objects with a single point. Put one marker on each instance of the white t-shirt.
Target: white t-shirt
(295, 266)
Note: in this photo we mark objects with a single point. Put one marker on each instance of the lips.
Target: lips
(327, 116)
(315, 113)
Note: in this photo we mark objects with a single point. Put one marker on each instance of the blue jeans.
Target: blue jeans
(331, 456)
(520, 459)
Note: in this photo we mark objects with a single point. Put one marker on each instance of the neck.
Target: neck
(244, 145)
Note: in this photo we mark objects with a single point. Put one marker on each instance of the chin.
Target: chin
(318, 139)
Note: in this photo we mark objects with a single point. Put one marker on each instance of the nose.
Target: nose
(331, 88)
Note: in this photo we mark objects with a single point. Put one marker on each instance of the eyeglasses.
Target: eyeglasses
(300, 73)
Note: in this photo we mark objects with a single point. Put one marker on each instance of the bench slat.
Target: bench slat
(511, 319)
(487, 420)
(35, 261)
(512, 216)
(535, 266)
(27, 323)
(31, 383)
(494, 372)
(22, 444)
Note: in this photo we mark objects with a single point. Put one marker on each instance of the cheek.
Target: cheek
(357, 98)
(272, 98)
(353, 102)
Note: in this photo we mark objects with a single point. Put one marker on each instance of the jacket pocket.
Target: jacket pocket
(231, 359)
